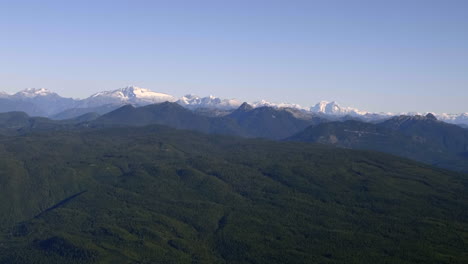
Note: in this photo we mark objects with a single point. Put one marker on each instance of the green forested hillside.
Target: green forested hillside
(158, 195)
(419, 138)
(264, 122)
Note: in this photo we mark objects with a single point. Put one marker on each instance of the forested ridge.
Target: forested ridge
(159, 195)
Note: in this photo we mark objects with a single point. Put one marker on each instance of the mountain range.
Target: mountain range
(421, 138)
(42, 102)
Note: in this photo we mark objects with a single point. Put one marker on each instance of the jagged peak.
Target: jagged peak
(133, 89)
(245, 107)
(265, 103)
(333, 108)
(191, 96)
(431, 116)
(33, 92)
(416, 117)
(211, 102)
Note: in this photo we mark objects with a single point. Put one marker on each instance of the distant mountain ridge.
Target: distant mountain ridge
(36, 102)
(42, 102)
(246, 121)
(421, 138)
(210, 102)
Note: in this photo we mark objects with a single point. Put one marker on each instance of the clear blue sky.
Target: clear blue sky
(376, 55)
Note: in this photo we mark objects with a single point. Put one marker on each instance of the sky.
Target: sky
(375, 55)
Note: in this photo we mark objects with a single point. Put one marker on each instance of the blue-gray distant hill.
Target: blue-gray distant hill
(421, 138)
(246, 121)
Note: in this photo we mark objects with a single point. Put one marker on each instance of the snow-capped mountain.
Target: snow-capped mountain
(45, 102)
(262, 103)
(42, 102)
(332, 108)
(453, 118)
(33, 93)
(210, 102)
(128, 95)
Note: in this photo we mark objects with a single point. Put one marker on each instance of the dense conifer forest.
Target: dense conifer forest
(159, 195)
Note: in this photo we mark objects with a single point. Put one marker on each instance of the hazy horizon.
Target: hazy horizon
(376, 56)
